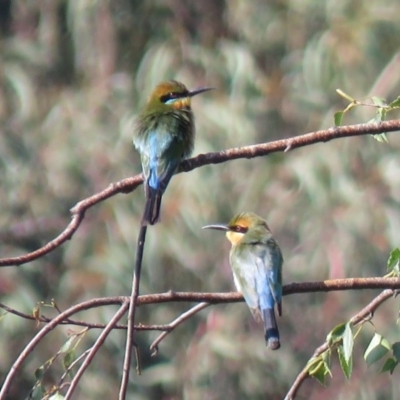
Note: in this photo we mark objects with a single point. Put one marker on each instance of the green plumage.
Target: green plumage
(256, 262)
(164, 136)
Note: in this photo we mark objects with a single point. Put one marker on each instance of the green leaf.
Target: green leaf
(37, 393)
(346, 364)
(389, 366)
(381, 138)
(40, 371)
(67, 345)
(380, 115)
(315, 366)
(319, 367)
(326, 356)
(43, 368)
(319, 372)
(377, 348)
(393, 261)
(57, 396)
(336, 334)
(69, 359)
(396, 351)
(348, 342)
(379, 101)
(395, 103)
(338, 118)
(320, 375)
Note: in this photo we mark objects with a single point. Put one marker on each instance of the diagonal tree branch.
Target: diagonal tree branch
(182, 318)
(358, 318)
(78, 214)
(285, 145)
(129, 184)
(100, 340)
(206, 298)
(38, 337)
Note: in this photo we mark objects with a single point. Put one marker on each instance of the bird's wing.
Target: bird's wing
(273, 261)
(161, 152)
(245, 274)
(258, 276)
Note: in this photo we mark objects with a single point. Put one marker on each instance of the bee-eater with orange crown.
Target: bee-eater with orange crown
(165, 135)
(256, 262)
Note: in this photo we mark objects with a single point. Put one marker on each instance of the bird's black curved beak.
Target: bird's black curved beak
(218, 227)
(199, 90)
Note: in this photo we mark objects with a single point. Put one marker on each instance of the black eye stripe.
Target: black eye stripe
(239, 229)
(172, 95)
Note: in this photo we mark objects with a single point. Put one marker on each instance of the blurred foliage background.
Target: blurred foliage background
(73, 75)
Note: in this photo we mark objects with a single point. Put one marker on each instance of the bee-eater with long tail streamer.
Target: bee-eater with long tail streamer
(256, 262)
(165, 135)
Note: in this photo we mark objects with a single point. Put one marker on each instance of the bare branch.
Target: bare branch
(129, 184)
(286, 145)
(211, 298)
(47, 329)
(133, 302)
(342, 284)
(207, 298)
(100, 340)
(90, 325)
(358, 318)
(183, 317)
(71, 366)
(78, 214)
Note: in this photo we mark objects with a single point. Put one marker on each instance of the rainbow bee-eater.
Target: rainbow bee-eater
(256, 262)
(164, 136)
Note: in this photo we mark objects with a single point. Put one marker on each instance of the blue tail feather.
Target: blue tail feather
(151, 214)
(271, 329)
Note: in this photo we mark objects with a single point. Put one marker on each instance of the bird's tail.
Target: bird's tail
(151, 214)
(271, 329)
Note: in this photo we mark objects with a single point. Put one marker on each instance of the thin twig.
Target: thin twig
(183, 317)
(72, 365)
(130, 342)
(78, 213)
(357, 319)
(259, 150)
(38, 337)
(210, 298)
(100, 340)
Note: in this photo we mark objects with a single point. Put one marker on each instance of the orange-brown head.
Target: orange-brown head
(172, 94)
(242, 226)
